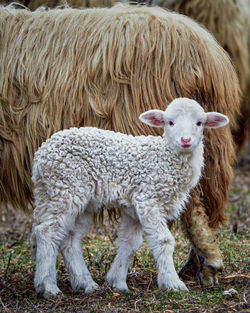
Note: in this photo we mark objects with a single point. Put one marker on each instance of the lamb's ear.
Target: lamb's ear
(154, 118)
(215, 120)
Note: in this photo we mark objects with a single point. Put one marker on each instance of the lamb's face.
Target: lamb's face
(184, 128)
(183, 123)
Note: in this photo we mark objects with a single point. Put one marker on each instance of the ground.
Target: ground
(17, 268)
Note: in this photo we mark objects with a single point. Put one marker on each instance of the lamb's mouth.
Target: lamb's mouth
(186, 145)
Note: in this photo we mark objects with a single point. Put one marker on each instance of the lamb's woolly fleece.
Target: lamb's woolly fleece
(108, 169)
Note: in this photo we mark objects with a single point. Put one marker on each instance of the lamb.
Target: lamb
(79, 171)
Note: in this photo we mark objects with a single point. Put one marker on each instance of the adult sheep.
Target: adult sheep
(63, 68)
(228, 20)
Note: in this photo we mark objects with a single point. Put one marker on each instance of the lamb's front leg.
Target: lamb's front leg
(161, 243)
(129, 240)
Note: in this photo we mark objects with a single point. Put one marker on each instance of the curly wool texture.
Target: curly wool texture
(228, 20)
(104, 169)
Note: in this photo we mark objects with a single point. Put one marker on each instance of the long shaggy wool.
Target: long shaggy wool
(34, 4)
(228, 20)
(103, 67)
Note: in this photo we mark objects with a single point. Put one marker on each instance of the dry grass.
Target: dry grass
(17, 269)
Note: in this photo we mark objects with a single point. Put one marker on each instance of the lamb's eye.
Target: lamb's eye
(171, 123)
(199, 123)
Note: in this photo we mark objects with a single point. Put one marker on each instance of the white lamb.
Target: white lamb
(79, 171)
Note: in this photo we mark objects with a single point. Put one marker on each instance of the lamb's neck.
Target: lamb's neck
(196, 160)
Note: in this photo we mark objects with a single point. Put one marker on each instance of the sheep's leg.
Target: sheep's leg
(199, 275)
(161, 242)
(46, 254)
(202, 238)
(129, 241)
(79, 275)
(191, 268)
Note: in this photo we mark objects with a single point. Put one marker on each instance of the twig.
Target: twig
(136, 309)
(110, 238)
(135, 261)
(237, 276)
(5, 309)
(244, 293)
(8, 265)
(107, 266)
(149, 282)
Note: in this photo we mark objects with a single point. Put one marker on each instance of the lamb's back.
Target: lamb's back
(90, 150)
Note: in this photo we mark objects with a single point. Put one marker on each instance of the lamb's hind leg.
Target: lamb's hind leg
(129, 240)
(46, 254)
(79, 275)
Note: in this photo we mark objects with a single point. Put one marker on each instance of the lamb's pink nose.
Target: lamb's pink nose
(185, 140)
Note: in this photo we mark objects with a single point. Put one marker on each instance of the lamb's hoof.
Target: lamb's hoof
(119, 287)
(116, 285)
(91, 287)
(123, 288)
(174, 285)
(51, 291)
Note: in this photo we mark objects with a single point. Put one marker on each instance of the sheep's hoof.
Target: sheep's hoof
(205, 273)
(210, 274)
(191, 268)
